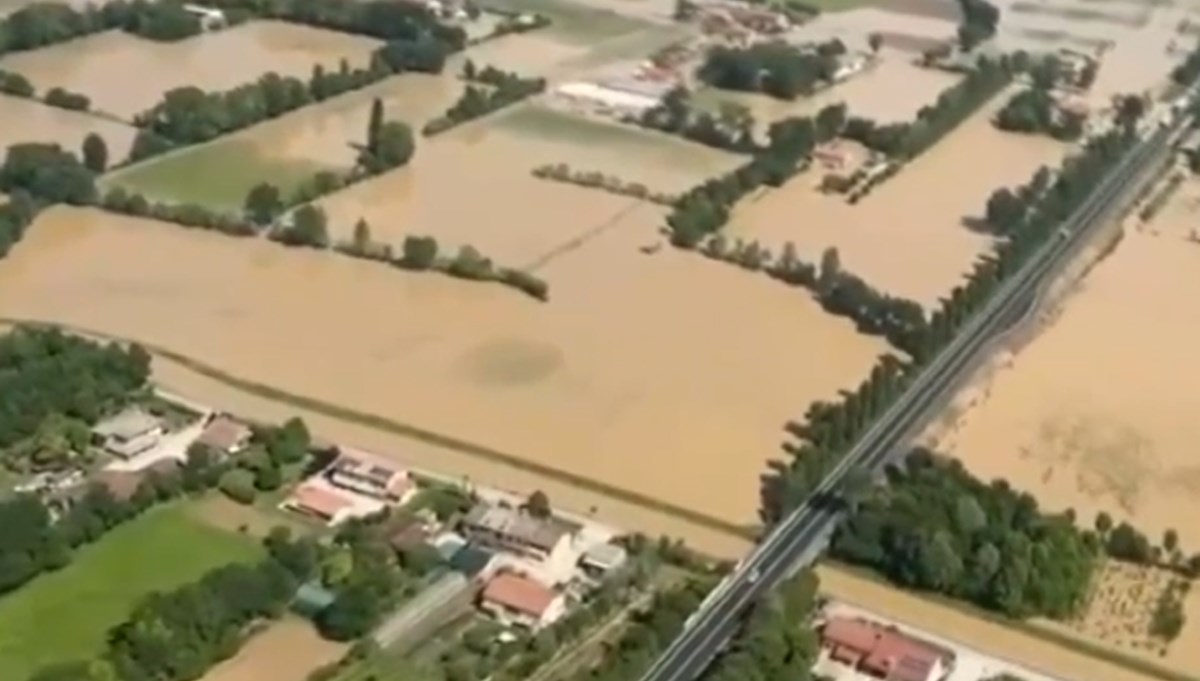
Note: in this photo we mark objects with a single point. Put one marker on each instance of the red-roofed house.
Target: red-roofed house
(883, 652)
(518, 600)
(320, 502)
(225, 435)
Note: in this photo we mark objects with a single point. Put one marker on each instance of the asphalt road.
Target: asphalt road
(799, 538)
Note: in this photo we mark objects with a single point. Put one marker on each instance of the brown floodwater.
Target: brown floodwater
(22, 120)
(668, 375)
(125, 75)
(907, 237)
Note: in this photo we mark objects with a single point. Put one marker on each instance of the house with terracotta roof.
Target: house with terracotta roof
(225, 435)
(371, 476)
(319, 501)
(883, 652)
(517, 600)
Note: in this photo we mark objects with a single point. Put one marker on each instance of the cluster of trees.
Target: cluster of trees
(47, 23)
(561, 172)
(261, 467)
(777, 641)
(15, 216)
(1187, 71)
(731, 129)
(1035, 110)
(1169, 616)
(704, 209)
(831, 428)
(953, 106)
(307, 226)
(774, 68)
(936, 527)
(497, 90)
(389, 143)
(15, 84)
(181, 634)
(48, 174)
(979, 21)
(648, 633)
(65, 99)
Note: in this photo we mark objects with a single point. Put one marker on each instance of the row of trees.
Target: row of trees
(561, 172)
(180, 634)
(953, 106)
(497, 90)
(47, 23)
(19, 86)
(774, 68)
(704, 209)
(832, 427)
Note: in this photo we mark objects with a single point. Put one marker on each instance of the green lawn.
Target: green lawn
(217, 175)
(66, 615)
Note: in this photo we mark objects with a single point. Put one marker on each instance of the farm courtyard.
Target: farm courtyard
(66, 615)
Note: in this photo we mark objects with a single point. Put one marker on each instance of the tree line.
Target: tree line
(953, 106)
(775, 68)
(732, 129)
(496, 89)
(831, 428)
(17, 85)
(777, 641)
(1034, 110)
(180, 634)
(561, 172)
(40, 24)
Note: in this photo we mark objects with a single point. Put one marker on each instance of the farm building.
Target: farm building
(517, 600)
(606, 99)
(129, 433)
(883, 652)
(512, 530)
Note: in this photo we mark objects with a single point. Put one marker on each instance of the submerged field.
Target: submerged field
(22, 120)
(474, 185)
(908, 236)
(65, 615)
(623, 378)
(125, 75)
(1097, 413)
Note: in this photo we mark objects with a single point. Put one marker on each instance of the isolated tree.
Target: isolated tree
(309, 227)
(1104, 523)
(469, 71)
(538, 505)
(263, 203)
(374, 126)
(1170, 541)
(362, 236)
(875, 40)
(95, 153)
(1130, 109)
(831, 270)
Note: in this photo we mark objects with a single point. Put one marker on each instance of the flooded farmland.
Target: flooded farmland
(622, 378)
(474, 185)
(28, 121)
(907, 237)
(103, 66)
(1098, 411)
(286, 650)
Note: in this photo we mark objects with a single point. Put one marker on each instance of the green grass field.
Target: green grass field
(217, 175)
(66, 615)
(574, 21)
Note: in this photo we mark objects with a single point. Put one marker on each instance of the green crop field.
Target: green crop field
(217, 175)
(66, 615)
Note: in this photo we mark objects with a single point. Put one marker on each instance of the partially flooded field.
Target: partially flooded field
(1098, 412)
(892, 91)
(28, 121)
(288, 150)
(125, 75)
(617, 379)
(474, 185)
(287, 650)
(906, 237)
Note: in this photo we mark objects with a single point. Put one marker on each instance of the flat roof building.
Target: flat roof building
(129, 433)
(517, 531)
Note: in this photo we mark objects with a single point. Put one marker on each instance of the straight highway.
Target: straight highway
(799, 538)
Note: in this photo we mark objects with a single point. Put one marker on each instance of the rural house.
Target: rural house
(225, 435)
(129, 433)
(318, 501)
(883, 652)
(516, 600)
(515, 531)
